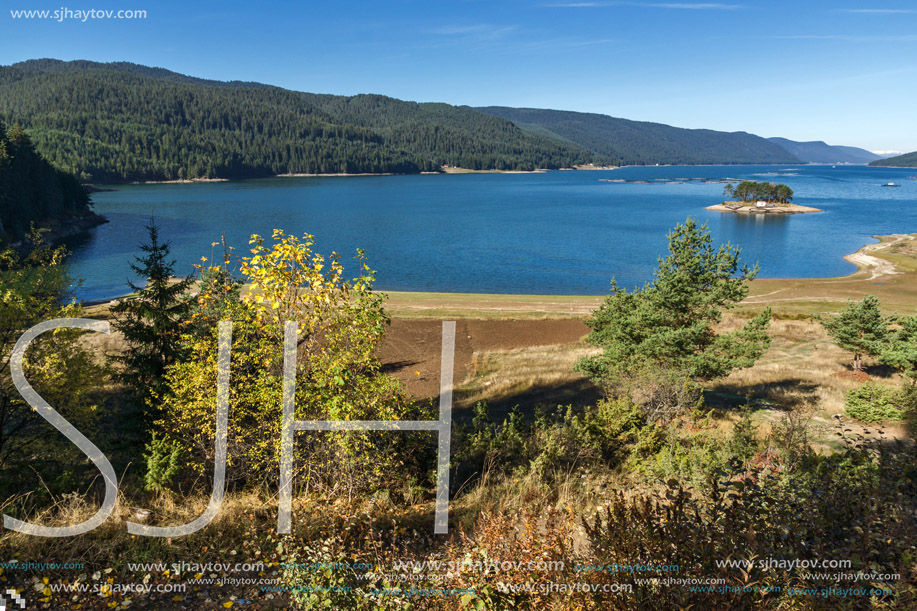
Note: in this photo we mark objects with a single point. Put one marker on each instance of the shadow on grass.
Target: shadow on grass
(879, 371)
(782, 394)
(396, 366)
(529, 399)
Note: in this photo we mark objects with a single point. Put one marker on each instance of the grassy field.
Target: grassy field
(403, 304)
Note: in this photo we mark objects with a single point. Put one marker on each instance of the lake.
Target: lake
(563, 232)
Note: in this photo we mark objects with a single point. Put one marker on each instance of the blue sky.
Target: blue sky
(843, 71)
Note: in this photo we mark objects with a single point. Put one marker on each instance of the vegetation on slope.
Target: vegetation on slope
(908, 160)
(31, 190)
(122, 122)
(642, 143)
(820, 152)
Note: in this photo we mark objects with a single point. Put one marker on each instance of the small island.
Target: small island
(750, 197)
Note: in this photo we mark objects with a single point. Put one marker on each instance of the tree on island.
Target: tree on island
(750, 190)
(660, 340)
(860, 328)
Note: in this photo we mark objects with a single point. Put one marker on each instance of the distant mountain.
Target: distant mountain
(122, 122)
(642, 143)
(820, 152)
(901, 161)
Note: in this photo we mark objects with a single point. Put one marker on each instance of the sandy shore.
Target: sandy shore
(875, 266)
(304, 175)
(745, 208)
(454, 170)
(897, 270)
(445, 170)
(180, 181)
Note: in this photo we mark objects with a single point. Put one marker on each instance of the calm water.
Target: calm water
(552, 233)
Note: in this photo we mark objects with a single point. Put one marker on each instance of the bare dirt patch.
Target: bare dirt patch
(412, 349)
(856, 376)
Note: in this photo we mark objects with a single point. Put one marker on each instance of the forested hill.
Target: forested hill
(118, 122)
(820, 152)
(901, 161)
(124, 122)
(639, 143)
(32, 191)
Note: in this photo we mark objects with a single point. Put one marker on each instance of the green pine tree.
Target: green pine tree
(860, 328)
(900, 351)
(151, 320)
(664, 333)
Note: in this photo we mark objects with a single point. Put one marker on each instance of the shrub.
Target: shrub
(908, 403)
(162, 463)
(33, 289)
(742, 442)
(605, 433)
(873, 403)
(760, 509)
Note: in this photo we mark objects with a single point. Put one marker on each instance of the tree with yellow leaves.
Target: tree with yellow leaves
(338, 376)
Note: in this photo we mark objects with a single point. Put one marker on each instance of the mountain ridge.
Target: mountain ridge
(817, 151)
(119, 121)
(125, 122)
(644, 142)
(908, 160)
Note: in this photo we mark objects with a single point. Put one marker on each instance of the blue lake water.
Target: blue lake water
(563, 232)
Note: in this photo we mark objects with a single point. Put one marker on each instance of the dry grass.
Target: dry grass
(575, 488)
(799, 372)
(540, 375)
(229, 529)
(403, 304)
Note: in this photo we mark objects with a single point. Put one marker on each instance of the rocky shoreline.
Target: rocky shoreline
(59, 229)
(751, 208)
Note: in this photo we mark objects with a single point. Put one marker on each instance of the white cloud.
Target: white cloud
(695, 6)
(478, 30)
(507, 39)
(878, 11)
(846, 37)
(698, 6)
